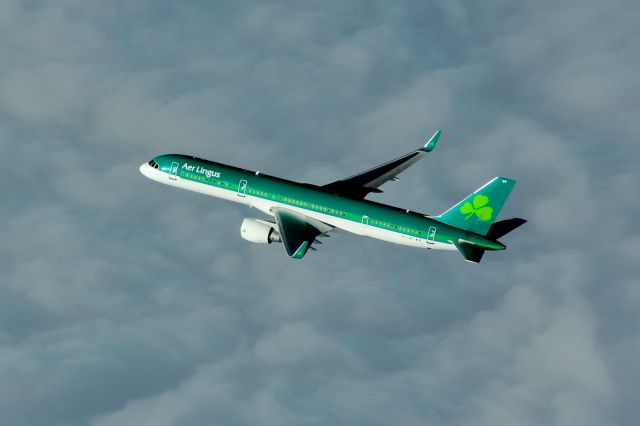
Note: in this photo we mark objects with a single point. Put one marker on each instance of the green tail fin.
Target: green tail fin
(479, 210)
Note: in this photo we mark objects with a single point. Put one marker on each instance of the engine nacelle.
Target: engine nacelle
(259, 231)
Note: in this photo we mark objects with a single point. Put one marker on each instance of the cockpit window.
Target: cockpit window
(153, 164)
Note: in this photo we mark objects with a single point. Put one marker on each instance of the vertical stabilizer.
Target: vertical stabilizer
(479, 210)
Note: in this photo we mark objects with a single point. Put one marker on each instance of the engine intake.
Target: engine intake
(259, 231)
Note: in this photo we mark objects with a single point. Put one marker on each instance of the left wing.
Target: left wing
(361, 184)
(298, 232)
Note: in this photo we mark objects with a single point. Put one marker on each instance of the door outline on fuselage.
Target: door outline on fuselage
(365, 220)
(242, 188)
(431, 235)
(173, 173)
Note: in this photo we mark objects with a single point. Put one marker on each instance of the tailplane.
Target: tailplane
(503, 227)
(473, 252)
(478, 211)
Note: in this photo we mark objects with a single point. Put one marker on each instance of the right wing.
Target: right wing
(361, 184)
(298, 231)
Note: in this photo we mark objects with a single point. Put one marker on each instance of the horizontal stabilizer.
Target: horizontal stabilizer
(470, 252)
(503, 227)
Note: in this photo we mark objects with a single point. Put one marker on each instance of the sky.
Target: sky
(123, 301)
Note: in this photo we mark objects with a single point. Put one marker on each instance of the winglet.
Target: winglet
(302, 250)
(429, 146)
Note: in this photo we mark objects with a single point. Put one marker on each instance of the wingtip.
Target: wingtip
(431, 144)
(302, 250)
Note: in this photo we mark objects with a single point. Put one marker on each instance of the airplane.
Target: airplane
(301, 213)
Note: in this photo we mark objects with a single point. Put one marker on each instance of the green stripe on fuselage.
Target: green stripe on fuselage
(314, 199)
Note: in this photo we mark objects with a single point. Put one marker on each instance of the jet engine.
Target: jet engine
(259, 231)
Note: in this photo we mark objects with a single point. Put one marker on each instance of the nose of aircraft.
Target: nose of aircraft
(145, 168)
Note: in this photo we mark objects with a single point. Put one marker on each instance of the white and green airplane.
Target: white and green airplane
(300, 213)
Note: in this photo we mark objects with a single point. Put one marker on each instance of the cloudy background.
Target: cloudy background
(123, 301)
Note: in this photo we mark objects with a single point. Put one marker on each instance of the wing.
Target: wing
(358, 186)
(298, 232)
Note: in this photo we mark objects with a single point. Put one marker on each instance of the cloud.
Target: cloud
(126, 302)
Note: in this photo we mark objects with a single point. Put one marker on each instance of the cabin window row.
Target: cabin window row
(395, 227)
(312, 206)
(201, 178)
(261, 193)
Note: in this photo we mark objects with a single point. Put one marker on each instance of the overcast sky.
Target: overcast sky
(123, 301)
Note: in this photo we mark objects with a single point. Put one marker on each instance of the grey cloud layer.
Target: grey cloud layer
(124, 302)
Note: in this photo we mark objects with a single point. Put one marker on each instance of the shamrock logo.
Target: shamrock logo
(479, 208)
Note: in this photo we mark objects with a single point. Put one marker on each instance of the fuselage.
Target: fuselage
(361, 217)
